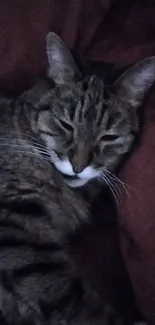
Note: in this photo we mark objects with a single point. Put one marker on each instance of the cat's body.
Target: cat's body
(39, 282)
(34, 203)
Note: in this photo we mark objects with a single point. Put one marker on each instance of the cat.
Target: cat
(88, 142)
(54, 140)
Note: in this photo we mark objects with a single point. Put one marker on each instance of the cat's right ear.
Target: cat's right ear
(134, 84)
(62, 67)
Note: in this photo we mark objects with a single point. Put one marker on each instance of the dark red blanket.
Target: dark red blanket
(118, 32)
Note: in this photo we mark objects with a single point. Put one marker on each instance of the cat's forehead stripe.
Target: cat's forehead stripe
(101, 113)
(90, 105)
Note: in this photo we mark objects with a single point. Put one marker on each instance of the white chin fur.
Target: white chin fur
(76, 182)
(65, 167)
(88, 173)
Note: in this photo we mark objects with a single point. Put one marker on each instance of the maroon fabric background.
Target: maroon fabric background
(119, 32)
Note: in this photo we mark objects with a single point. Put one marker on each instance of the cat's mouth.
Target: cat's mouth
(71, 178)
(74, 180)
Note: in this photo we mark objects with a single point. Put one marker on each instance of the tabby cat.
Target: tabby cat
(61, 134)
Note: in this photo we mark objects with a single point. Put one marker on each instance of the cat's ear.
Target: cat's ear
(62, 67)
(133, 85)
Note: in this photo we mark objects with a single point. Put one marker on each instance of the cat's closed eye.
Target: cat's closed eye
(65, 125)
(109, 137)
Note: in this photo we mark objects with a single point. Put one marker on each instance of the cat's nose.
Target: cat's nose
(77, 169)
(80, 159)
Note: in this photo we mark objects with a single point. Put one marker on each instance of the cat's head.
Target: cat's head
(86, 127)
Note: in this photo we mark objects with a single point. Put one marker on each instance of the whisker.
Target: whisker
(116, 184)
(28, 151)
(114, 176)
(112, 186)
(104, 178)
(116, 179)
(35, 143)
(12, 145)
(16, 132)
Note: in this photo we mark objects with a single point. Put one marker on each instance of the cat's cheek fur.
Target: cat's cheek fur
(88, 173)
(84, 177)
(63, 166)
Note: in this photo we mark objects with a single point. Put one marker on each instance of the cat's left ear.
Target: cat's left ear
(134, 84)
(62, 67)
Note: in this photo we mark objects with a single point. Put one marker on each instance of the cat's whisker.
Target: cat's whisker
(104, 178)
(116, 184)
(125, 185)
(15, 132)
(116, 189)
(114, 176)
(33, 153)
(21, 141)
(43, 150)
(115, 192)
(36, 144)
(27, 151)
(119, 182)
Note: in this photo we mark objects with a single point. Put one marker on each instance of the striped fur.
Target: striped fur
(48, 135)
